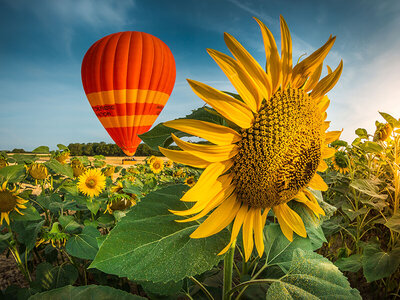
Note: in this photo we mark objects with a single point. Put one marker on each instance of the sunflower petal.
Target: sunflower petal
(332, 136)
(239, 219)
(211, 153)
(217, 134)
(4, 185)
(291, 218)
(17, 210)
(232, 109)
(329, 69)
(327, 83)
(328, 152)
(285, 228)
(248, 234)
(323, 104)
(317, 183)
(313, 79)
(239, 78)
(262, 79)
(184, 157)
(207, 179)
(219, 219)
(301, 197)
(286, 53)
(322, 166)
(6, 217)
(307, 66)
(2, 218)
(21, 206)
(258, 232)
(213, 203)
(273, 66)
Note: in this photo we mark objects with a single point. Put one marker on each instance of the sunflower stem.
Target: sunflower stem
(228, 268)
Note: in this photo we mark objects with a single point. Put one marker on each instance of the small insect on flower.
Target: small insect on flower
(9, 201)
(340, 162)
(91, 183)
(157, 165)
(190, 181)
(274, 156)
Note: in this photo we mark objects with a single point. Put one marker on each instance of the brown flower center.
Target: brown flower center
(7, 201)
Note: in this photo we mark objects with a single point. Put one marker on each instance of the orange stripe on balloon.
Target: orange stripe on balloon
(127, 96)
(128, 121)
(129, 109)
(129, 146)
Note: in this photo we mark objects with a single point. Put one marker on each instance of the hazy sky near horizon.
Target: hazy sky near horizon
(42, 44)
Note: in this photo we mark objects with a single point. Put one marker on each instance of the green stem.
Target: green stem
(228, 267)
(202, 287)
(250, 282)
(14, 251)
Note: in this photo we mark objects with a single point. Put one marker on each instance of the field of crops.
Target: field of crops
(87, 225)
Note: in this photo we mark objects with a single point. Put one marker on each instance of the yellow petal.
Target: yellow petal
(16, 209)
(313, 79)
(290, 218)
(317, 183)
(329, 69)
(217, 134)
(326, 125)
(258, 232)
(21, 206)
(4, 185)
(332, 136)
(273, 66)
(213, 203)
(22, 201)
(232, 109)
(240, 216)
(307, 66)
(323, 104)
(248, 234)
(327, 83)
(7, 218)
(322, 166)
(2, 217)
(327, 152)
(239, 78)
(285, 228)
(286, 53)
(218, 220)
(264, 216)
(207, 179)
(262, 79)
(211, 153)
(184, 157)
(301, 197)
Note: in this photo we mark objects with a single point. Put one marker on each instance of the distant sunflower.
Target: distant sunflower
(3, 163)
(169, 163)
(120, 200)
(38, 171)
(109, 171)
(274, 156)
(340, 162)
(383, 132)
(157, 165)
(190, 181)
(78, 170)
(62, 157)
(150, 159)
(9, 201)
(91, 183)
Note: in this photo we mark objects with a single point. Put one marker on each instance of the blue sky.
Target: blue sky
(42, 44)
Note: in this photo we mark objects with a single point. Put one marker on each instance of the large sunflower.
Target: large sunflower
(275, 154)
(9, 201)
(340, 162)
(92, 182)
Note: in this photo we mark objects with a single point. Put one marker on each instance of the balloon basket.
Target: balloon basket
(129, 161)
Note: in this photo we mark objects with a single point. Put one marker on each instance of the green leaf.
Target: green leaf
(352, 214)
(164, 289)
(97, 292)
(278, 249)
(29, 214)
(311, 223)
(24, 158)
(362, 133)
(391, 120)
(59, 169)
(13, 173)
(68, 223)
(352, 263)
(49, 277)
(371, 147)
(147, 244)
(311, 276)
(83, 245)
(27, 232)
(62, 147)
(41, 149)
(5, 237)
(93, 205)
(369, 187)
(394, 223)
(378, 264)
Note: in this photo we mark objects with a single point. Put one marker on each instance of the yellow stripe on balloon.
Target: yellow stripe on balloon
(128, 121)
(127, 96)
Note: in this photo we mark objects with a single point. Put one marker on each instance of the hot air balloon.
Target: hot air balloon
(128, 78)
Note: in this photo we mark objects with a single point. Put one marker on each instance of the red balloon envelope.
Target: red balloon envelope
(128, 78)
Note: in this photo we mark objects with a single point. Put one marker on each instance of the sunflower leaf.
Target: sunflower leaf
(97, 292)
(391, 120)
(13, 173)
(59, 168)
(311, 276)
(148, 245)
(84, 245)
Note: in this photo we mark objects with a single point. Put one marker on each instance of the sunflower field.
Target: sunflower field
(268, 204)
